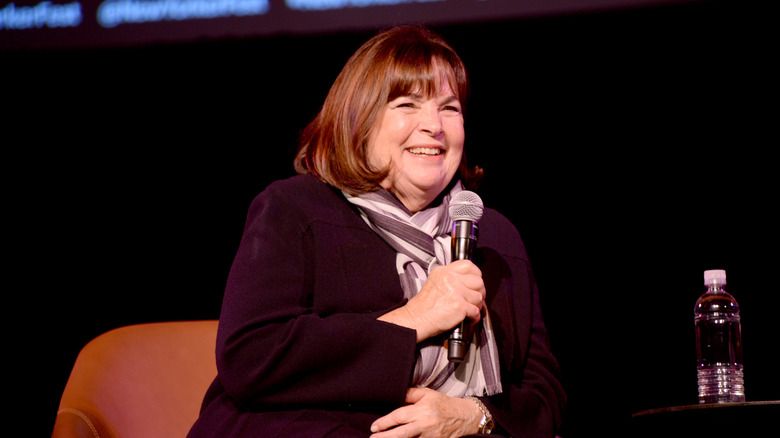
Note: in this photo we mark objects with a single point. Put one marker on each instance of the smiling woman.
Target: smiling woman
(418, 144)
(393, 74)
(347, 334)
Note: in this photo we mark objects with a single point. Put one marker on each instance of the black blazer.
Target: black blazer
(300, 351)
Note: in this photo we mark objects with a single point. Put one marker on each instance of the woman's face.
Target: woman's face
(421, 139)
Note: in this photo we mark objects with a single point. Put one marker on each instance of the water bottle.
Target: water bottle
(718, 343)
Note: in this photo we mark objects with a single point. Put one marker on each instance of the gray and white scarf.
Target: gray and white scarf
(422, 241)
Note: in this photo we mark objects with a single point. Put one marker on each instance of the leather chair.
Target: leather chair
(139, 381)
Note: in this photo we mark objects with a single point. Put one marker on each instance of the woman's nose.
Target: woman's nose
(430, 121)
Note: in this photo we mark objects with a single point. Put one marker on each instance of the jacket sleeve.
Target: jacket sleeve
(274, 347)
(533, 399)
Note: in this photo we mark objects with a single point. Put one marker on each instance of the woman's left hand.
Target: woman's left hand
(429, 414)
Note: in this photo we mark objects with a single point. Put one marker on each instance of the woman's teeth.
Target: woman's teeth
(425, 151)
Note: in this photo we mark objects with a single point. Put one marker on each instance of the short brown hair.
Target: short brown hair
(395, 62)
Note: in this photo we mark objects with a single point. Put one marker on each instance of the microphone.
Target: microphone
(466, 210)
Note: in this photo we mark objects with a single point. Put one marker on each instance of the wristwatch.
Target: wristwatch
(486, 425)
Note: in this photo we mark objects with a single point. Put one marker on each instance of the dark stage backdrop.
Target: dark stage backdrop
(105, 23)
(631, 149)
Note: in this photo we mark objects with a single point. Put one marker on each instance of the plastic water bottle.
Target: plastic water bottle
(718, 343)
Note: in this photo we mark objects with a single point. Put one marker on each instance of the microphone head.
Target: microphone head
(466, 206)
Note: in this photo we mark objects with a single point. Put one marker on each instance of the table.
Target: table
(732, 420)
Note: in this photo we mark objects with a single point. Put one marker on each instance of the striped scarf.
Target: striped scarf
(422, 241)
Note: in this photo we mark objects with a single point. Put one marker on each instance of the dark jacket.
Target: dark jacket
(300, 351)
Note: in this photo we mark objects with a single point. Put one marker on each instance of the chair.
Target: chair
(139, 381)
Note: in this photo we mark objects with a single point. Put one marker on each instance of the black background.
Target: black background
(632, 149)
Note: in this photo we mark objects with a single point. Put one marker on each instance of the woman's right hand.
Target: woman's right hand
(451, 294)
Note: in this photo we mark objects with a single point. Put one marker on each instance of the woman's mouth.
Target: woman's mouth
(426, 152)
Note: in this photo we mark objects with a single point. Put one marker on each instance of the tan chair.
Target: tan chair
(139, 381)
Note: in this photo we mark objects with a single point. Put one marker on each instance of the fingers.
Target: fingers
(399, 423)
(465, 267)
(413, 395)
(461, 277)
(451, 294)
(468, 273)
(394, 424)
(429, 414)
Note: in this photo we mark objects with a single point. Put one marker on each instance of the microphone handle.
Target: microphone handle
(464, 240)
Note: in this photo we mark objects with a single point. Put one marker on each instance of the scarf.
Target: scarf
(422, 242)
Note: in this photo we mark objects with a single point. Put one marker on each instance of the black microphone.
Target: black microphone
(465, 209)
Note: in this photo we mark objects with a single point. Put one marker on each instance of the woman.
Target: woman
(339, 302)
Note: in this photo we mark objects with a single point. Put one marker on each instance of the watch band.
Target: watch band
(486, 425)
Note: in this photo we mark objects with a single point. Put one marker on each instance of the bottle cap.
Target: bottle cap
(715, 276)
